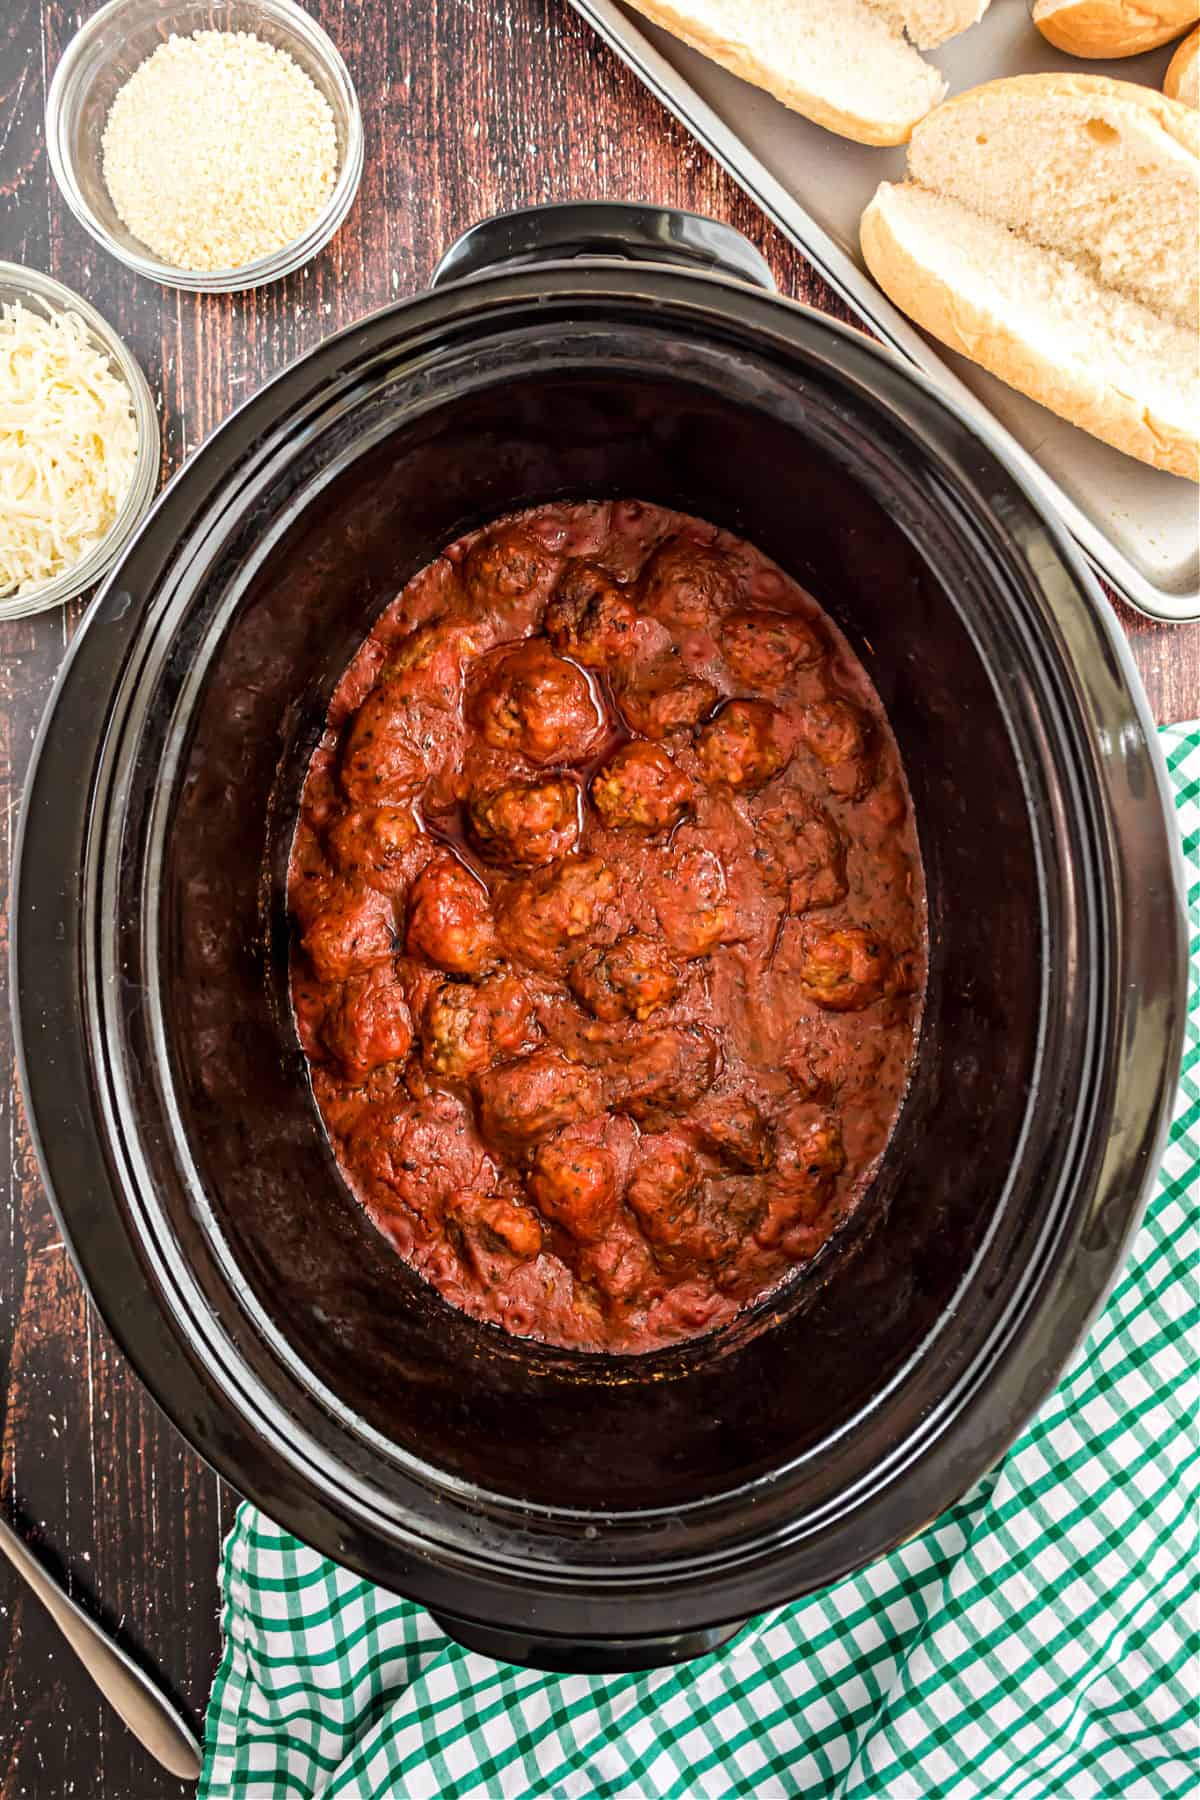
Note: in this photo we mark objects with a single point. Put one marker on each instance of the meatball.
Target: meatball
(665, 1195)
(801, 853)
(666, 1180)
(467, 1028)
(574, 1184)
(506, 565)
(537, 703)
(450, 918)
(640, 789)
(524, 1101)
(620, 1266)
(733, 1128)
(423, 1153)
(428, 662)
(632, 978)
(692, 904)
(353, 931)
(836, 734)
(527, 821)
(762, 648)
(809, 1158)
(662, 699)
(589, 617)
(381, 845)
(553, 913)
(370, 1025)
(843, 968)
(506, 1225)
(741, 746)
(685, 583)
(381, 763)
(665, 1073)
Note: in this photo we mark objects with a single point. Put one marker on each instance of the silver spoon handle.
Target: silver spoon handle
(147, 1712)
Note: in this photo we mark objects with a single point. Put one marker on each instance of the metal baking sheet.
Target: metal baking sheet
(1141, 528)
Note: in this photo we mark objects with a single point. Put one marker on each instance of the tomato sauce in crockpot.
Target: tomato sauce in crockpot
(610, 926)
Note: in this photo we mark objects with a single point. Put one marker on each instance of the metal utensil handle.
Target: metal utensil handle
(148, 1713)
(603, 228)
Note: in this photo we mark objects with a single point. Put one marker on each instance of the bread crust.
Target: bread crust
(1104, 411)
(1113, 28)
(860, 127)
(1180, 81)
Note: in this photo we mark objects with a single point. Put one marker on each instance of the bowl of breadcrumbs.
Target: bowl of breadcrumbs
(210, 144)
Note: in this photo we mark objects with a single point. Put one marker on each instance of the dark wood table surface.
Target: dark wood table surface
(470, 107)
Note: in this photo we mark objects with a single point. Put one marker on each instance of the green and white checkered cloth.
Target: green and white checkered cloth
(1039, 1642)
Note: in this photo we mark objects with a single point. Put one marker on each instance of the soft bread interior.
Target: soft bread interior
(931, 22)
(844, 63)
(1095, 169)
(1035, 317)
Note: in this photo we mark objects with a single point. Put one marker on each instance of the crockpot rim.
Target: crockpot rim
(575, 280)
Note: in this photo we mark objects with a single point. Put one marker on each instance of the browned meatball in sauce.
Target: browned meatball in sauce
(524, 1101)
(537, 703)
(685, 584)
(836, 734)
(641, 789)
(466, 1028)
(589, 618)
(517, 1227)
(573, 1183)
(742, 746)
(734, 1129)
(663, 699)
(382, 764)
(551, 915)
(843, 968)
(801, 853)
(762, 648)
(632, 978)
(423, 1153)
(506, 565)
(809, 1158)
(450, 918)
(355, 930)
(665, 1195)
(527, 821)
(370, 1025)
(664, 1073)
(381, 845)
(692, 904)
(428, 663)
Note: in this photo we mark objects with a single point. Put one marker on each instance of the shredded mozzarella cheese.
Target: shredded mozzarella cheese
(68, 445)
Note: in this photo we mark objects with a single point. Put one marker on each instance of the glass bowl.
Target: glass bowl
(42, 294)
(101, 58)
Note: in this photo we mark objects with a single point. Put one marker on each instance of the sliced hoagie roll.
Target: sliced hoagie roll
(1182, 79)
(1047, 230)
(1101, 29)
(853, 66)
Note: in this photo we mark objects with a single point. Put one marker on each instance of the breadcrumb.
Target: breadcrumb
(219, 150)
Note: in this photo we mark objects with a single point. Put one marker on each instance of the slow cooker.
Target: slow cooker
(559, 1509)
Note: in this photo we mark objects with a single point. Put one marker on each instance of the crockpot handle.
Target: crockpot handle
(603, 228)
(585, 1655)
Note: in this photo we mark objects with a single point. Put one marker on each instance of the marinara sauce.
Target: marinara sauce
(610, 927)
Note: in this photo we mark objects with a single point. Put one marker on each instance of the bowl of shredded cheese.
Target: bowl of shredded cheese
(212, 145)
(79, 443)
